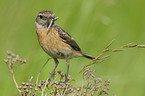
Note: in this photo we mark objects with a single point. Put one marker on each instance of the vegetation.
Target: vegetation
(93, 24)
(91, 86)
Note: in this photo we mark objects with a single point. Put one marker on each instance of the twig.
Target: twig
(126, 45)
(65, 90)
(49, 25)
(43, 89)
(91, 90)
(41, 70)
(52, 82)
(15, 80)
(107, 49)
(83, 81)
(109, 44)
(30, 79)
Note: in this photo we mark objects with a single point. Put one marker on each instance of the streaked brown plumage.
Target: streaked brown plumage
(55, 41)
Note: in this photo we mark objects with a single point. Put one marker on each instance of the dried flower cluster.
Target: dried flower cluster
(13, 60)
(56, 87)
(92, 87)
(27, 89)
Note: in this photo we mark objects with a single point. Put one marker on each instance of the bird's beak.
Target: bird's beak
(54, 18)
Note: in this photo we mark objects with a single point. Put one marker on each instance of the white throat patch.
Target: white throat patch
(38, 26)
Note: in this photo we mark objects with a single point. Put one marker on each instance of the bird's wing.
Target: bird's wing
(67, 38)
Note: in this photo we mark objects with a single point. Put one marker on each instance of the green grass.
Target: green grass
(93, 24)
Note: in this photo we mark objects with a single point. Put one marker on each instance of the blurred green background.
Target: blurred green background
(93, 24)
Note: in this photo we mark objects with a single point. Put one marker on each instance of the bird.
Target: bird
(55, 41)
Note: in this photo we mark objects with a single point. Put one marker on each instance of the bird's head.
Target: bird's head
(44, 18)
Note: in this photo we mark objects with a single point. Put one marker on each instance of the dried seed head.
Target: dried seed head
(67, 83)
(107, 81)
(5, 60)
(51, 92)
(31, 87)
(36, 89)
(77, 89)
(24, 87)
(26, 90)
(9, 52)
(69, 78)
(12, 54)
(106, 50)
(24, 61)
(100, 79)
(9, 57)
(143, 46)
(92, 93)
(107, 84)
(80, 93)
(20, 87)
(108, 88)
(85, 91)
(31, 84)
(42, 82)
(116, 50)
(14, 61)
(61, 83)
(77, 94)
(62, 74)
(48, 82)
(23, 83)
(93, 75)
(56, 82)
(56, 86)
(27, 84)
(134, 45)
(34, 93)
(17, 57)
(95, 80)
(21, 60)
(22, 93)
(39, 85)
(106, 92)
(59, 86)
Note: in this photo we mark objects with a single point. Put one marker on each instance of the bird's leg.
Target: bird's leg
(56, 64)
(42, 69)
(66, 79)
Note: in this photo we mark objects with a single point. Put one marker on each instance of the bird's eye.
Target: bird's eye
(41, 16)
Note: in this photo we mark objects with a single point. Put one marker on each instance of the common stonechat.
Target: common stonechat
(55, 41)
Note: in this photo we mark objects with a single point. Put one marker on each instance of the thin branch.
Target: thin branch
(41, 70)
(15, 80)
(107, 49)
(109, 44)
(49, 25)
(43, 89)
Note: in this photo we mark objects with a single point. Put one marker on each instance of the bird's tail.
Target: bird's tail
(88, 56)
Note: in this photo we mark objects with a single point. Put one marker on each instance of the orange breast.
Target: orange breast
(53, 45)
